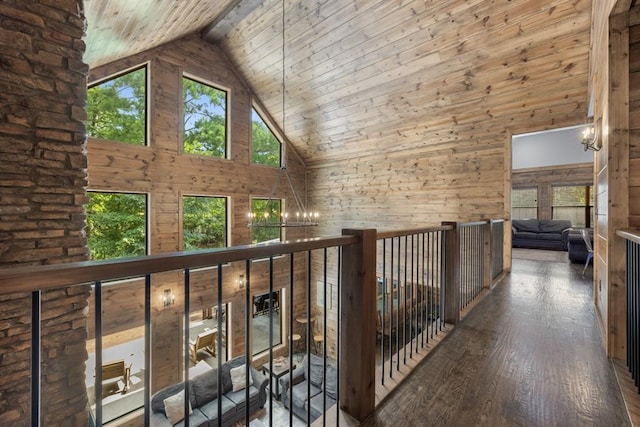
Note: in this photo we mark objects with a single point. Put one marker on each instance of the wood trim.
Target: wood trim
(452, 274)
(28, 279)
(632, 235)
(358, 337)
(553, 168)
(616, 120)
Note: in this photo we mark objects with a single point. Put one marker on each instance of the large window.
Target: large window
(116, 108)
(273, 208)
(205, 119)
(265, 147)
(574, 203)
(116, 225)
(262, 306)
(204, 222)
(524, 203)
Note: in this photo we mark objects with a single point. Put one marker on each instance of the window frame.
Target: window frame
(227, 128)
(281, 230)
(537, 199)
(274, 131)
(588, 207)
(147, 90)
(227, 219)
(147, 226)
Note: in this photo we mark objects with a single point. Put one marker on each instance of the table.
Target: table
(278, 372)
(302, 320)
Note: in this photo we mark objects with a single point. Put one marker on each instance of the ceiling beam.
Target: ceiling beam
(236, 11)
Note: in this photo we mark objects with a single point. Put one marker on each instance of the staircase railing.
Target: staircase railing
(404, 287)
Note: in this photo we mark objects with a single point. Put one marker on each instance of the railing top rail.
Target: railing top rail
(633, 235)
(495, 221)
(407, 232)
(28, 279)
(472, 224)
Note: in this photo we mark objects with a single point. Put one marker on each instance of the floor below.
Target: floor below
(529, 354)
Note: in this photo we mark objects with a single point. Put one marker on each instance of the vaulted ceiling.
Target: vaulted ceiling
(377, 75)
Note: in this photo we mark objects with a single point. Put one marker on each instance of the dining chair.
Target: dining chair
(589, 246)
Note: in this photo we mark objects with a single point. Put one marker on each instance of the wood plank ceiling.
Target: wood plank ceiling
(378, 76)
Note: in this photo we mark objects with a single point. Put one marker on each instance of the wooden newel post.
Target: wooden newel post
(487, 269)
(358, 325)
(452, 274)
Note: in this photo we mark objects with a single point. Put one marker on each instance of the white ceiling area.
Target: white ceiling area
(549, 148)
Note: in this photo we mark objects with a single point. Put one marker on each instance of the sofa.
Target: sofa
(540, 233)
(576, 247)
(203, 395)
(295, 398)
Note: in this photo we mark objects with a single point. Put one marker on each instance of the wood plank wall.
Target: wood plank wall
(634, 118)
(613, 78)
(166, 174)
(544, 179)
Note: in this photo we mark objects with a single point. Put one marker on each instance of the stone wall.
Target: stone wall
(42, 197)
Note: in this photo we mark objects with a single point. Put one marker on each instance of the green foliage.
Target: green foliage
(265, 147)
(116, 109)
(116, 225)
(205, 119)
(262, 234)
(204, 222)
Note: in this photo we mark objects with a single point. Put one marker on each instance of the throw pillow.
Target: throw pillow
(238, 377)
(174, 408)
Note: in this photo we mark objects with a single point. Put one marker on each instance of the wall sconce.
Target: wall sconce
(241, 281)
(168, 298)
(591, 136)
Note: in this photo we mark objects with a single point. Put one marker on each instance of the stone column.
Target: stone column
(42, 197)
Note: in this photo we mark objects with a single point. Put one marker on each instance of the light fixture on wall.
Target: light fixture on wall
(591, 136)
(168, 298)
(301, 217)
(241, 281)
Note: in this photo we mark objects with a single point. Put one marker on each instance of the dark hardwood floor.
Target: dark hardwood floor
(528, 355)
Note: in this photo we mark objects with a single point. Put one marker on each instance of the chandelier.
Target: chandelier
(301, 217)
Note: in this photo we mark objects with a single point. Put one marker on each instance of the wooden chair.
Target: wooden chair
(205, 341)
(113, 370)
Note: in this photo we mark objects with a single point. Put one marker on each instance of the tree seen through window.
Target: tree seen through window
(265, 147)
(116, 225)
(204, 119)
(204, 222)
(273, 208)
(116, 108)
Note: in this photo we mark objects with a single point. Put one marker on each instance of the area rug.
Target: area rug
(540, 255)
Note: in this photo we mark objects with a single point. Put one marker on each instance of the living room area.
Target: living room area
(552, 198)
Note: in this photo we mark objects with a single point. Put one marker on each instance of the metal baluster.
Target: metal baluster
(98, 321)
(291, 349)
(324, 340)
(308, 350)
(384, 307)
(247, 335)
(219, 344)
(36, 345)
(147, 350)
(271, 388)
(186, 406)
(338, 329)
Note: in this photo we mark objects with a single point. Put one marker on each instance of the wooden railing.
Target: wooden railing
(497, 248)
(632, 239)
(420, 269)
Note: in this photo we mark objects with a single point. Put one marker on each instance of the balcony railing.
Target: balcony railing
(632, 266)
(329, 299)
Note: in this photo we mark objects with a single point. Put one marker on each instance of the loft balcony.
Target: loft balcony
(359, 311)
